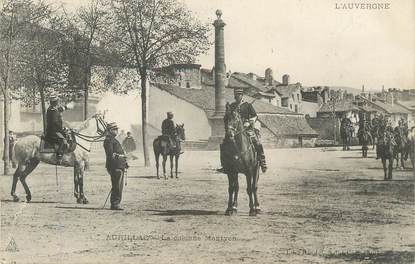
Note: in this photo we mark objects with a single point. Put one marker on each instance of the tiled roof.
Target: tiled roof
(287, 125)
(286, 90)
(367, 108)
(341, 106)
(391, 109)
(265, 94)
(204, 98)
(279, 121)
(408, 104)
(242, 77)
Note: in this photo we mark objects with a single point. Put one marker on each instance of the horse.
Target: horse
(386, 145)
(346, 133)
(161, 146)
(402, 147)
(239, 156)
(28, 154)
(411, 143)
(365, 139)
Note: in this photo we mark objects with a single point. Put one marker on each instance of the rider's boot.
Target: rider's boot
(261, 155)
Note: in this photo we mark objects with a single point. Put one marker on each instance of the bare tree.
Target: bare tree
(14, 16)
(154, 33)
(84, 28)
(42, 59)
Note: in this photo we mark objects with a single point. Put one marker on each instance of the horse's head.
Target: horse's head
(233, 122)
(180, 132)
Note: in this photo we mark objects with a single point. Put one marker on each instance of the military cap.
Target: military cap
(112, 125)
(169, 113)
(53, 98)
(238, 90)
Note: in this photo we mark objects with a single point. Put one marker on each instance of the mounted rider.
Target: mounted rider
(251, 124)
(346, 122)
(168, 131)
(55, 132)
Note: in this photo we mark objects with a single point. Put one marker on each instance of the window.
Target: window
(284, 102)
(298, 97)
(291, 106)
(187, 84)
(292, 96)
(296, 108)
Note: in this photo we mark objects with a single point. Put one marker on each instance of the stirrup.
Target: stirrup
(263, 165)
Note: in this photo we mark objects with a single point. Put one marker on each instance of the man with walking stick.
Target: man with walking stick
(116, 164)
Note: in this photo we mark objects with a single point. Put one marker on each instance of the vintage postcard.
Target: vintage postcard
(220, 131)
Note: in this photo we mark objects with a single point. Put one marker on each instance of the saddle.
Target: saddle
(49, 146)
(170, 142)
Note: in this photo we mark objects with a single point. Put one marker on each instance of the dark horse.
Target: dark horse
(346, 133)
(161, 146)
(239, 156)
(365, 139)
(402, 148)
(386, 146)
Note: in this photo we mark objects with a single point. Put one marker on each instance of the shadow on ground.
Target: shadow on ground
(183, 212)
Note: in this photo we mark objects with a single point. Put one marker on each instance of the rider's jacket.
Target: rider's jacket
(114, 154)
(168, 127)
(54, 122)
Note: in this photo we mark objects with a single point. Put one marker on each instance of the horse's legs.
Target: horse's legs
(157, 156)
(171, 166)
(235, 191)
(390, 169)
(249, 191)
(16, 176)
(80, 168)
(30, 166)
(384, 168)
(403, 158)
(176, 157)
(164, 166)
(255, 179)
(76, 183)
(230, 193)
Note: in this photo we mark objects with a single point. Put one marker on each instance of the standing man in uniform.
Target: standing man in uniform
(249, 118)
(116, 164)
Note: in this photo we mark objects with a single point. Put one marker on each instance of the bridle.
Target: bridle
(92, 139)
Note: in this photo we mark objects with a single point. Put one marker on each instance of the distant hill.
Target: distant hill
(352, 90)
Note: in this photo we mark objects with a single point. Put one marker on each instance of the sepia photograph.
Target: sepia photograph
(207, 131)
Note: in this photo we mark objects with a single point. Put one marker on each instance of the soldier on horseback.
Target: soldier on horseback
(56, 133)
(168, 131)
(249, 118)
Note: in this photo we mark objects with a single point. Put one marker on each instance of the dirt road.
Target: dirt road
(319, 206)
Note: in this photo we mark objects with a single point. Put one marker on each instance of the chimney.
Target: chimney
(286, 79)
(269, 77)
(389, 98)
(370, 97)
(252, 76)
(220, 73)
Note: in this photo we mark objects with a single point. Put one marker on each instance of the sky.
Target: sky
(313, 42)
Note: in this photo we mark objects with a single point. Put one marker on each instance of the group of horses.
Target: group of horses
(28, 154)
(242, 157)
(390, 145)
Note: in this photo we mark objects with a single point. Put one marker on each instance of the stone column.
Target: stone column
(220, 73)
(216, 121)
